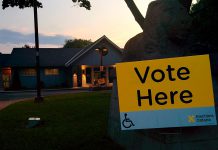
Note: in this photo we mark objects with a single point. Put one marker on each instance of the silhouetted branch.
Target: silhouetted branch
(136, 13)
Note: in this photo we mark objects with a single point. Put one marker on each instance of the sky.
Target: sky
(61, 19)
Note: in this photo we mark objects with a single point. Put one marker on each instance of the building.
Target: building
(60, 67)
(4, 72)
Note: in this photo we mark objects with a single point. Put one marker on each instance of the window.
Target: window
(89, 75)
(51, 72)
(29, 72)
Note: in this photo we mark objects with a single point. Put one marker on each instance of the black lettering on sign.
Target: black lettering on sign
(144, 97)
(162, 98)
(172, 95)
(158, 75)
(183, 73)
(154, 78)
(185, 96)
(170, 69)
(142, 79)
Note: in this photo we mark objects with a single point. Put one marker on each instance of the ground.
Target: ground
(70, 121)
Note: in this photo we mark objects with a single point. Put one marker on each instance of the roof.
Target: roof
(55, 57)
(90, 47)
(50, 57)
(4, 59)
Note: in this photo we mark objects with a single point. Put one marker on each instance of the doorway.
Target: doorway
(6, 77)
(99, 76)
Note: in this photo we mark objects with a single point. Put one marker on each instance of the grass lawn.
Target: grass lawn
(71, 121)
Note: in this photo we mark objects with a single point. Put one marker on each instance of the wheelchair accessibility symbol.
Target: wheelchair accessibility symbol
(127, 123)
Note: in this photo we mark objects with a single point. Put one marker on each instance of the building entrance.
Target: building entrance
(6, 77)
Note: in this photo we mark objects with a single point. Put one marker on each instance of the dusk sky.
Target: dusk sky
(60, 20)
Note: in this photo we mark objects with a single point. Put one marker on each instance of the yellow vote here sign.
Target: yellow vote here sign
(171, 92)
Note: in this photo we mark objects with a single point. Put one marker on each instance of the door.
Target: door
(6, 77)
(99, 76)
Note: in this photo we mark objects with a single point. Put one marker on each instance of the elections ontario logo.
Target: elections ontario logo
(205, 118)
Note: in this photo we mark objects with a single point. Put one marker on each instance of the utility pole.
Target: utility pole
(102, 52)
(38, 98)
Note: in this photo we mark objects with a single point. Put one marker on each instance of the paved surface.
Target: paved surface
(4, 104)
(9, 97)
(14, 95)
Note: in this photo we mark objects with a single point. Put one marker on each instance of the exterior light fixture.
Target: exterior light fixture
(103, 51)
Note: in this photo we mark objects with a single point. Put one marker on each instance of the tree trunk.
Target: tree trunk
(136, 13)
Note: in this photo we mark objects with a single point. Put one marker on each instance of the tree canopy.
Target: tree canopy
(139, 17)
(76, 43)
(205, 18)
(27, 46)
(29, 3)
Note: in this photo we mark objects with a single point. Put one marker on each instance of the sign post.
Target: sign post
(162, 93)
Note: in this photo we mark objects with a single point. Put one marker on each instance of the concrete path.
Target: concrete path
(11, 97)
(14, 95)
(4, 104)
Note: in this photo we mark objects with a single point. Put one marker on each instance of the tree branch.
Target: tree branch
(136, 13)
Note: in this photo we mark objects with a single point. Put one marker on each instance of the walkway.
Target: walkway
(10, 97)
(4, 104)
(14, 95)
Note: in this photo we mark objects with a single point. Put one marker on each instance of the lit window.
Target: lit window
(51, 71)
(29, 72)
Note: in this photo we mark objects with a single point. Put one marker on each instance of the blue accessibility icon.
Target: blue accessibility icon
(127, 123)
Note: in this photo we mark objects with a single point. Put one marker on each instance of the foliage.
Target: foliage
(20, 3)
(83, 3)
(205, 18)
(71, 121)
(76, 43)
(30, 3)
(27, 46)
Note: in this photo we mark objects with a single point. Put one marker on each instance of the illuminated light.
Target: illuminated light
(83, 67)
(34, 118)
(101, 68)
(83, 79)
(75, 83)
(105, 49)
(6, 71)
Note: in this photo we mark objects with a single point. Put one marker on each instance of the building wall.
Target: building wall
(1, 84)
(48, 81)
(27, 82)
(92, 58)
(54, 80)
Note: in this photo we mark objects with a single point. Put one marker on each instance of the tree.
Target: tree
(205, 18)
(29, 3)
(139, 17)
(76, 43)
(27, 46)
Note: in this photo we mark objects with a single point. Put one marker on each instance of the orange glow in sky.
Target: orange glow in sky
(60, 17)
